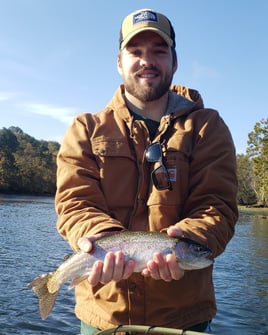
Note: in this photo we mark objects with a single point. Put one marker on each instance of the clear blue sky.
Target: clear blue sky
(58, 59)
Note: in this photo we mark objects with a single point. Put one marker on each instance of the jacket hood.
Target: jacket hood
(183, 100)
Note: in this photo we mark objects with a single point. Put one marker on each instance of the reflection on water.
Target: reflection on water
(30, 244)
(241, 280)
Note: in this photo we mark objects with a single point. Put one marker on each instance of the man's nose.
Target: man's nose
(147, 59)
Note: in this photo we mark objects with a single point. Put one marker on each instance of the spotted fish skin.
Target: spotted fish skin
(138, 246)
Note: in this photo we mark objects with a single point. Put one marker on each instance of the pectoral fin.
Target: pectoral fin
(77, 281)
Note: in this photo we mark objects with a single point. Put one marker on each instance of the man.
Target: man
(105, 183)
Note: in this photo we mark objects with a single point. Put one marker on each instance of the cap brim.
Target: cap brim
(165, 37)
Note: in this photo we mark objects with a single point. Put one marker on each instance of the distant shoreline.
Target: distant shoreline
(12, 194)
(243, 209)
(254, 210)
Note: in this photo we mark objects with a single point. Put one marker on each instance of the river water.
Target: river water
(30, 245)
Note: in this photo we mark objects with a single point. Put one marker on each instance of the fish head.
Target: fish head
(192, 255)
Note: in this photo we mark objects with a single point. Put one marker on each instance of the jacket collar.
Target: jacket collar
(182, 101)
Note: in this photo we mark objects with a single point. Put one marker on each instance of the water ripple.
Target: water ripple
(30, 245)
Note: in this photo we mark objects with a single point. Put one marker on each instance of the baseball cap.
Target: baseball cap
(146, 19)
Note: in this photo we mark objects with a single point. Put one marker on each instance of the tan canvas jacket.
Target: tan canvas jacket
(104, 183)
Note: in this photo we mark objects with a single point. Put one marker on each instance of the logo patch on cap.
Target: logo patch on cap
(144, 16)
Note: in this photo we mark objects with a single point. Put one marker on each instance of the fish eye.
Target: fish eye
(199, 248)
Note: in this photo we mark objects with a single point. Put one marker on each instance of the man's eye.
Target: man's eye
(135, 52)
(161, 51)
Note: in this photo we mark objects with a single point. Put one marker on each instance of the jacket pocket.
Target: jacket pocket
(177, 165)
(118, 171)
(103, 147)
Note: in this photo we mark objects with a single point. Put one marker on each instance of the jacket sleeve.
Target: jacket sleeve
(210, 209)
(80, 203)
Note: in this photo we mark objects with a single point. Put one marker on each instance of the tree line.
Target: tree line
(252, 168)
(28, 165)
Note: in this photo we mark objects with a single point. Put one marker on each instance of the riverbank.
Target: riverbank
(254, 210)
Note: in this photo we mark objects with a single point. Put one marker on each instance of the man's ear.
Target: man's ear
(175, 66)
(119, 65)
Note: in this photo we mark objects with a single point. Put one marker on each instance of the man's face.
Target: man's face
(146, 66)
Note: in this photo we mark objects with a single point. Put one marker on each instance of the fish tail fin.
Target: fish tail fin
(46, 299)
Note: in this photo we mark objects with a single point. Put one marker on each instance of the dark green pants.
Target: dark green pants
(87, 329)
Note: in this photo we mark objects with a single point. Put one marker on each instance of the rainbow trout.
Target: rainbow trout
(138, 246)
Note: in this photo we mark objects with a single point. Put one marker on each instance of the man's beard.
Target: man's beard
(146, 93)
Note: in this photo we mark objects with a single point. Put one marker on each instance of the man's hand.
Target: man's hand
(113, 267)
(165, 267)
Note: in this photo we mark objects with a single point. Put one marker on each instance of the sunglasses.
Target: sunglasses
(160, 176)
